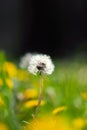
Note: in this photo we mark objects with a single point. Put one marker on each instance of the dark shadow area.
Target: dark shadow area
(58, 28)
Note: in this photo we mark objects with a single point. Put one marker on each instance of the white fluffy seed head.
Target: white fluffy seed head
(41, 64)
(24, 61)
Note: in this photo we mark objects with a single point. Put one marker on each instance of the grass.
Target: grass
(64, 97)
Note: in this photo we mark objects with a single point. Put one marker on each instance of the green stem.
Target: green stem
(40, 97)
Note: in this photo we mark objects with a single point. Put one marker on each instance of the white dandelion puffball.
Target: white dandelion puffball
(24, 61)
(41, 64)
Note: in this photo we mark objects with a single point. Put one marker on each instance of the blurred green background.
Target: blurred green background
(64, 102)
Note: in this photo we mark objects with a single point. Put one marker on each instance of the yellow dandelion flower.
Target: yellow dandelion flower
(84, 95)
(9, 83)
(78, 123)
(1, 82)
(1, 101)
(59, 109)
(3, 126)
(49, 123)
(30, 93)
(33, 103)
(10, 68)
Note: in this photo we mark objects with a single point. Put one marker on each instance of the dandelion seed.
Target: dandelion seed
(41, 64)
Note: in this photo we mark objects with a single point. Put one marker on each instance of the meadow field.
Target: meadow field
(64, 100)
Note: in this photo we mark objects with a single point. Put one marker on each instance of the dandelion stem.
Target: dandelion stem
(40, 97)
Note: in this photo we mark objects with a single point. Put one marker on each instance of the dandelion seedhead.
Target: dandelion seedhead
(41, 64)
(24, 61)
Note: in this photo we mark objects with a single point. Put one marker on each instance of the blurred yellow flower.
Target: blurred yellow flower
(9, 83)
(1, 82)
(3, 126)
(78, 123)
(33, 103)
(49, 123)
(84, 95)
(10, 68)
(59, 109)
(30, 93)
(1, 101)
